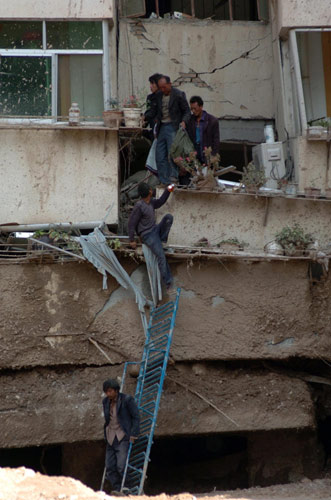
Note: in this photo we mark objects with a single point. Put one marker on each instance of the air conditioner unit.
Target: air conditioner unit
(270, 158)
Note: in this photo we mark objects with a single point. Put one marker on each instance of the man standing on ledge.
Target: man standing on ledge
(203, 129)
(121, 427)
(142, 221)
(172, 111)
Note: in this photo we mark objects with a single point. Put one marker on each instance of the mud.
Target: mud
(64, 405)
(20, 484)
(227, 311)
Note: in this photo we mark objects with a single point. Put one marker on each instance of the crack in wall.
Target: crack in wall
(244, 55)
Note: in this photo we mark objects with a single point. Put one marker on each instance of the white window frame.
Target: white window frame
(53, 54)
(298, 77)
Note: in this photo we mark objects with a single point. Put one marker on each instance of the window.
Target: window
(248, 10)
(311, 56)
(45, 66)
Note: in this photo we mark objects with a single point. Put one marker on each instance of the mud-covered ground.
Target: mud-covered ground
(25, 484)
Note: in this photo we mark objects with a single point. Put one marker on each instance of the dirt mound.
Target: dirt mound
(25, 484)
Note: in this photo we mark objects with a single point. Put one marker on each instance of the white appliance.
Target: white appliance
(270, 158)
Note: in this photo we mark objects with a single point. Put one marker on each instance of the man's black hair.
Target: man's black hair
(154, 78)
(143, 190)
(167, 78)
(111, 383)
(197, 99)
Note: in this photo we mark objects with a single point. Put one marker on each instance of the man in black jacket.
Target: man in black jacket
(172, 111)
(151, 102)
(203, 129)
(121, 427)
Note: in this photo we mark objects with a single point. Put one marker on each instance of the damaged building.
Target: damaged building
(247, 397)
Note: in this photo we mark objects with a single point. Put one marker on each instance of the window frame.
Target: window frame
(157, 10)
(53, 54)
(295, 63)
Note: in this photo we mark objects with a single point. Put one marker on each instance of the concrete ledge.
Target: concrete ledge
(46, 406)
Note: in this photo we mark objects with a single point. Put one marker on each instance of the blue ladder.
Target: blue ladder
(153, 367)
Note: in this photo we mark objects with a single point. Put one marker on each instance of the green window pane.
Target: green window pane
(74, 35)
(20, 35)
(80, 80)
(25, 86)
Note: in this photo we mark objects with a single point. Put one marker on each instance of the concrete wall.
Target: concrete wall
(61, 9)
(228, 311)
(58, 175)
(312, 164)
(59, 406)
(301, 14)
(228, 63)
(220, 217)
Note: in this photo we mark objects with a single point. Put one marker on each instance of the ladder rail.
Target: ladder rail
(151, 403)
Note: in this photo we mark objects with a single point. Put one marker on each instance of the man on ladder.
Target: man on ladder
(121, 427)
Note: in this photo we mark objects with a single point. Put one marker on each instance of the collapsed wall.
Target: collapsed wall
(246, 339)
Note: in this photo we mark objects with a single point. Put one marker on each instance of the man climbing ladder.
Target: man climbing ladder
(142, 221)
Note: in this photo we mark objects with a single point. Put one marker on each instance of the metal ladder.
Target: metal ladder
(152, 372)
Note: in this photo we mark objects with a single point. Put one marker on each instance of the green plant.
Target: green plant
(253, 176)
(115, 243)
(113, 103)
(233, 241)
(322, 122)
(59, 237)
(191, 163)
(292, 238)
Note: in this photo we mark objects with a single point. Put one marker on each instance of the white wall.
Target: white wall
(220, 217)
(301, 13)
(59, 9)
(53, 176)
(229, 63)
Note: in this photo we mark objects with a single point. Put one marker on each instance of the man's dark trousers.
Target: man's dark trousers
(116, 455)
(165, 166)
(154, 240)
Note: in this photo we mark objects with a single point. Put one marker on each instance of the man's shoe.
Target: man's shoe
(115, 493)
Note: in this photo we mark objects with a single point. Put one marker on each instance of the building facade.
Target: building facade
(252, 333)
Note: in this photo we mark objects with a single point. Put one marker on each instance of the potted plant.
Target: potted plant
(232, 245)
(294, 240)
(113, 116)
(132, 110)
(253, 178)
(203, 175)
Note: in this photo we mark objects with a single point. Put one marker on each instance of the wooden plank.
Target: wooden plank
(326, 49)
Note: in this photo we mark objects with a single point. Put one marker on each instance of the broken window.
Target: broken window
(45, 66)
(311, 55)
(247, 10)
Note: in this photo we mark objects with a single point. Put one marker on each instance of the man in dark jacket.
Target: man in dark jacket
(142, 221)
(151, 103)
(172, 111)
(121, 427)
(203, 129)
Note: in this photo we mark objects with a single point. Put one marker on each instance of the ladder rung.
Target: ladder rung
(146, 411)
(162, 340)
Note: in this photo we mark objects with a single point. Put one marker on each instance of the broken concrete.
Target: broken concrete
(228, 311)
(63, 405)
